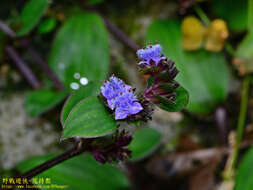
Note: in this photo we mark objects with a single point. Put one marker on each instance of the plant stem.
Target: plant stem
(119, 34)
(75, 151)
(202, 15)
(230, 49)
(242, 117)
(229, 171)
(50, 163)
(7, 30)
(24, 69)
(26, 44)
(43, 65)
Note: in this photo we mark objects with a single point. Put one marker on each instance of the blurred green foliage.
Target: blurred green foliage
(145, 141)
(244, 176)
(31, 14)
(234, 12)
(93, 2)
(39, 101)
(244, 55)
(47, 25)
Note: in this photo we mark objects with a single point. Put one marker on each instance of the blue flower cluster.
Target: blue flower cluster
(162, 72)
(120, 97)
(149, 54)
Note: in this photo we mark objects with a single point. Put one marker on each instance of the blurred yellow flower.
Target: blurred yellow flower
(216, 35)
(195, 34)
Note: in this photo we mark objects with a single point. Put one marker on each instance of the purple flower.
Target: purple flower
(162, 73)
(149, 54)
(120, 97)
(112, 89)
(126, 105)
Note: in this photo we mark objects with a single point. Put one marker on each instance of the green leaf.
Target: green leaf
(244, 55)
(90, 89)
(244, 176)
(234, 12)
(81, 47)
(181, 100)
(89, 118)
(250, 15)
(145, 141)
(47, 25)
(41, 100)
(203, 74)
(79, 173)
(31, 14)
(245, 48)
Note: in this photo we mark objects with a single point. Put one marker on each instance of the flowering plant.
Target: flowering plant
(96, 117)
(107, 118)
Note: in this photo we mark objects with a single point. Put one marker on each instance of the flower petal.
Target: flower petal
(135, 108)
(120, 114)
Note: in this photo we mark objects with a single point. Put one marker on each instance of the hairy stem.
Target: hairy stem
(50, 163)
(75, 151)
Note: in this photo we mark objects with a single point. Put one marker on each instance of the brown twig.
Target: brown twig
(7, 30)
(24, 69)
(119, 34)
(43, 65)
(26, 44)
(185, 163)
